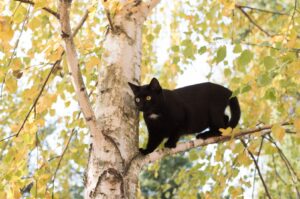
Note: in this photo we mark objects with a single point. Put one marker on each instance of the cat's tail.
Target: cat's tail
(235, 112)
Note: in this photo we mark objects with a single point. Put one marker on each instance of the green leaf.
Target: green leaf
(227, 72)
(150, 37)
(202, 50)
(264, 80)
(221, 54)
(245, 88)
(270, 94)
(237, 48)
(269, 62)
(175, 48)
(245, 58)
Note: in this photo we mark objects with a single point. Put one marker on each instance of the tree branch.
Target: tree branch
(73, 64)
(156, 155)
(55, 14)
(83, 19)
(258, 169)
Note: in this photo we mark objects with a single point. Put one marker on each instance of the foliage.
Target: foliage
(44, 139)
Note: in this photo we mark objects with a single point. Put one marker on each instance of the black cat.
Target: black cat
(188, 110)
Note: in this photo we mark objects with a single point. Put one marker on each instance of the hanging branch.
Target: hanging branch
(258, 169)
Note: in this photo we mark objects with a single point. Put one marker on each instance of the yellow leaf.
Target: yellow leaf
(297, 126)
(54, 55)
(30, 94)
(44, 103)
(15, 127)
(93, 61)
(244, 159)
(278, 132)
(40, 4)
(228, 4)
(226, 132)
(16, 64)
(34, 23)
(254, 146)
(11, 84)
(52, 112)
(6, 32)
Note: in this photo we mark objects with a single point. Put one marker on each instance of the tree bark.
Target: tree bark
(108, 173)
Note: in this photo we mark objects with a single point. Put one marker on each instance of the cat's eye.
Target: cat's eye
(137, 100)
(148, 98)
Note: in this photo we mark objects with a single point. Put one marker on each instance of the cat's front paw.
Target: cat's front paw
(170, 145)
(143, 151)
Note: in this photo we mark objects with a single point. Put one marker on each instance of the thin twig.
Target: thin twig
(275, 169)
(39, 95)
(111, 25)
(258, 169)
(262, 10)
(260, 147)
(60, 159)
(275, 48)
(253, 22)
(284, 158)
(80, 24)
(55, 14)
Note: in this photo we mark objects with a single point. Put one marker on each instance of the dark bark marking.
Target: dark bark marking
(64, 35)
(89, 119)
(105, 90)
(111, 140)
(116, 177)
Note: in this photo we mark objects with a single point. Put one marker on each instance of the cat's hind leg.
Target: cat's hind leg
(217, 120)
(172, 140)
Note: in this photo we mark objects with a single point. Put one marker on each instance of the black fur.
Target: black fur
(188, 110)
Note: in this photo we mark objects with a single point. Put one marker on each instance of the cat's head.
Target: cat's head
(147, 97)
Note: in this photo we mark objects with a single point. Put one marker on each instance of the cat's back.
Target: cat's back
(203, 90)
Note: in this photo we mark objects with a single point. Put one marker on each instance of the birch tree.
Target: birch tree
(57, 53)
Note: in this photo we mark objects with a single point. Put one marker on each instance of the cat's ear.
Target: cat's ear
(135, 89)
(154, 85)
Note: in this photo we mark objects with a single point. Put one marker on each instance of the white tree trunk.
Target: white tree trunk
(117, 118)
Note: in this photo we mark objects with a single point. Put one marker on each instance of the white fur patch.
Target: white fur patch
(153, 116)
